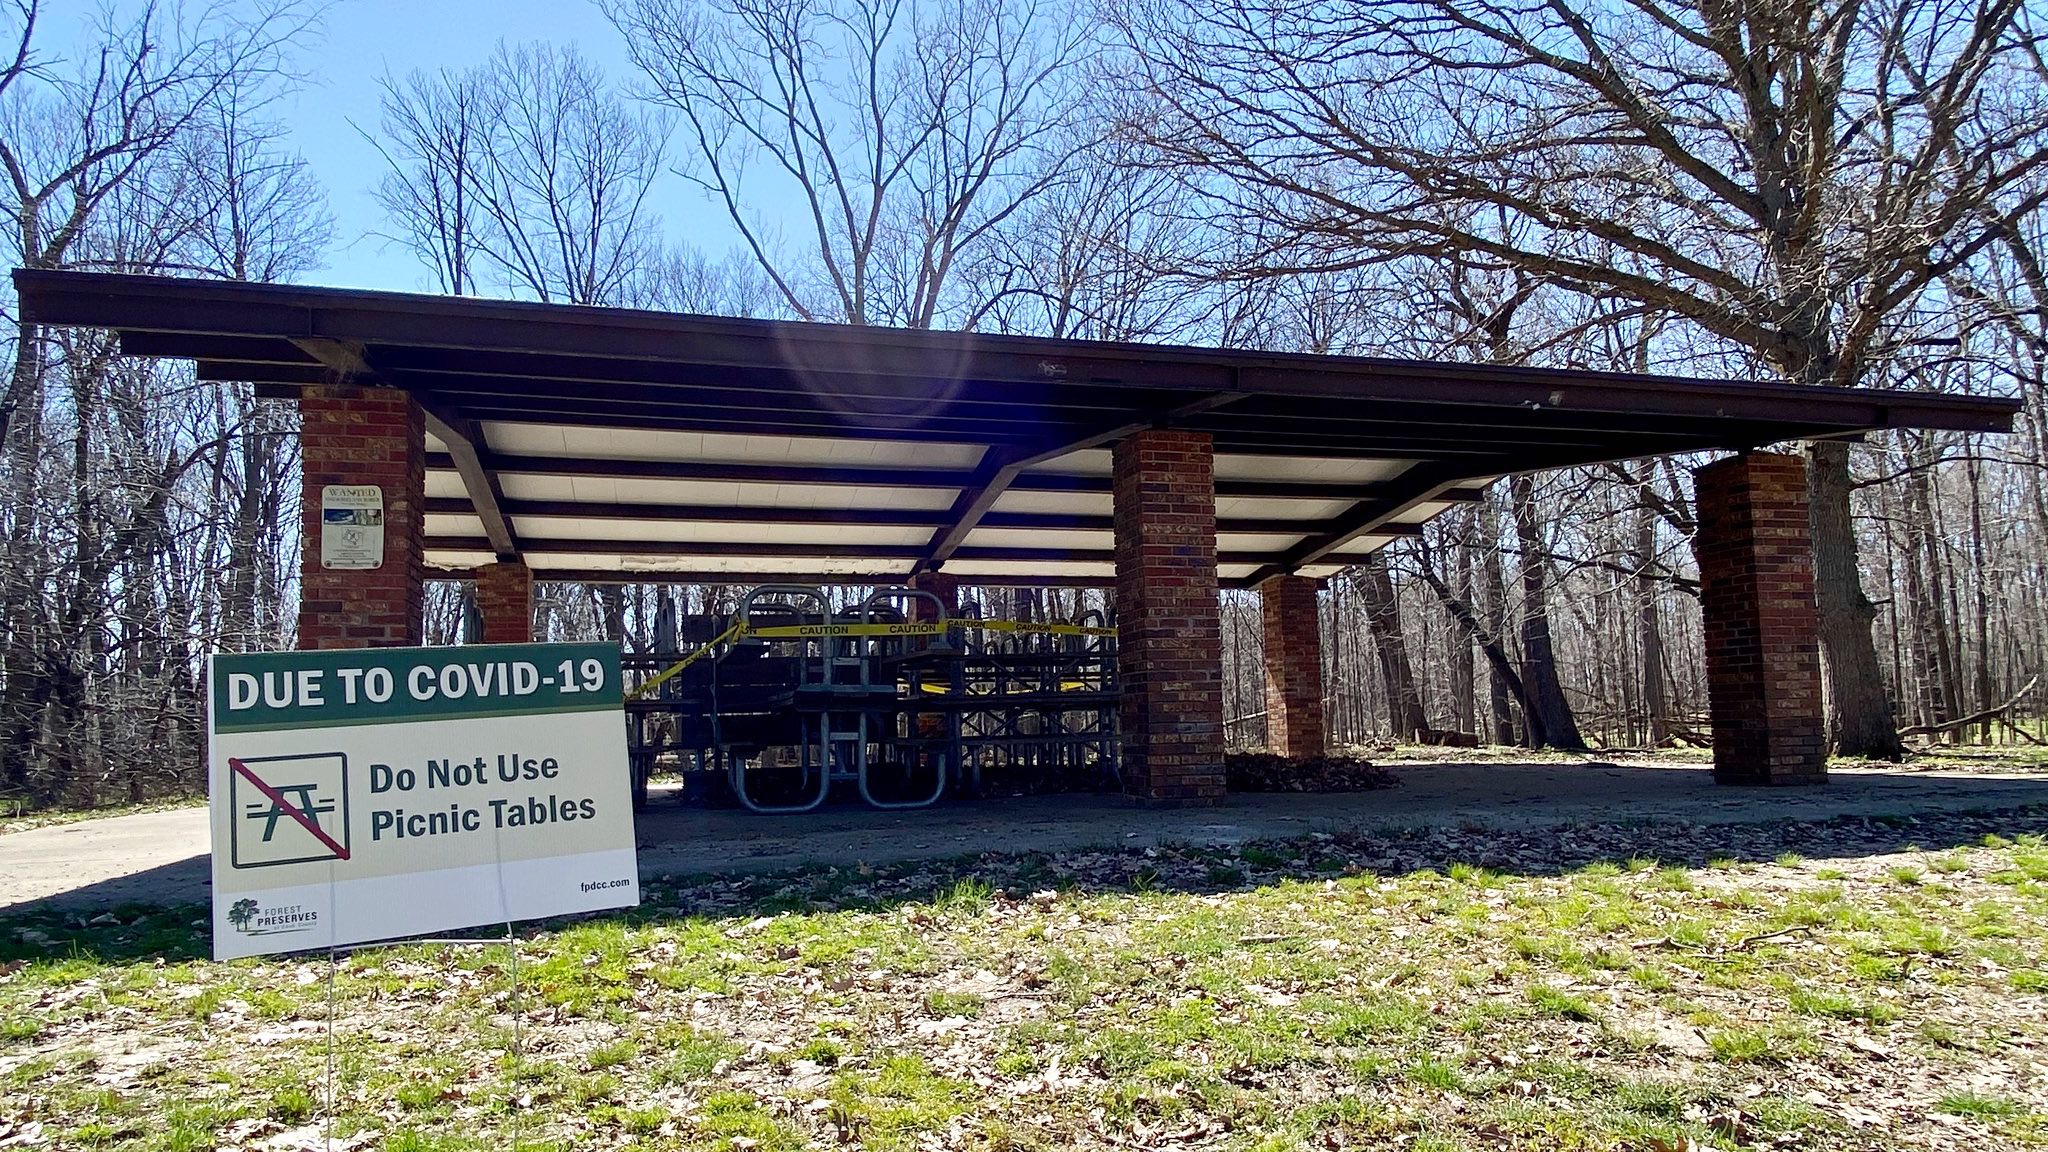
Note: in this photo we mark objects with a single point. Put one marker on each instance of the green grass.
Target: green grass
(953, 1003)
(1982, 1107)
(1274, 998)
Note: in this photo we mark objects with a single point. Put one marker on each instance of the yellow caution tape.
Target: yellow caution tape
(669, 673)
(919, 628)
(740, 629)
(944, 690)
(1053, 629)
(820, 631)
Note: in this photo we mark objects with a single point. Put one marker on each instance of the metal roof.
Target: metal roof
(607, 443)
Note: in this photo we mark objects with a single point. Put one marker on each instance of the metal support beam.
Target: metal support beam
(1419, 485)
(471, 455)
(468, 451)
(1000, 468)
(344, 358)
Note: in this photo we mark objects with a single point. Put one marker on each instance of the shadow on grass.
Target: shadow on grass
(137, 932)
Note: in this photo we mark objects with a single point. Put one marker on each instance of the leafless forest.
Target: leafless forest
(1836, 193)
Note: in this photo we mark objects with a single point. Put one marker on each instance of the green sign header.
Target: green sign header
(265, 691)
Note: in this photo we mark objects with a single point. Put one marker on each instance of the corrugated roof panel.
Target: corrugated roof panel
(1000, 568)
(852, 537)
(459, 559)
(521, 439)
(1364, 546)
(446, 524)
(1087, 462)
(1317, 468)
(1281, 508)
(735, 565)
(1255, 541)
(522, 486)
(1040, 538)
(1423, 513)
(1060, 503)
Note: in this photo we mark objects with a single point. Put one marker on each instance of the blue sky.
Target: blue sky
(366, 38)
(361, 40)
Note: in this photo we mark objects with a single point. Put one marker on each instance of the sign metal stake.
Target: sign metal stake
(518, 1037)
(333, 963)
(518, 1004)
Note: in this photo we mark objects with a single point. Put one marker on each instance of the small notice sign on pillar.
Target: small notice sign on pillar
(379, 793)
(352, 526)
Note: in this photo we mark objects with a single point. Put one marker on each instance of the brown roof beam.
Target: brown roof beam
(759, 551)
(750, 579)
(846, 517)
(741, 473)
(684, 548)
(344, 359)
(824, 579)
(131, 302)
(1001, 467)
(700, 513)
(830, 476)
(1372, 516)
(470, 452)
(240, 351)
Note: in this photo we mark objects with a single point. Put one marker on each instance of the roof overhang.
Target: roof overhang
(613, 444)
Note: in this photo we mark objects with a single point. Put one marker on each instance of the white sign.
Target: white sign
(351, 526)
(380, 793)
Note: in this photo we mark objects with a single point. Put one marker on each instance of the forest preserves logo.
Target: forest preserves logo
(251, 918)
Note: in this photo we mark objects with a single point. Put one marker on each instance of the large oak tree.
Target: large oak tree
(1793, 178)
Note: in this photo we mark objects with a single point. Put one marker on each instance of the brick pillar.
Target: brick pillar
(940, 584)
(1762, 628)
(1169, 651)
(504, 598)
(361, 435)
(1294, 667)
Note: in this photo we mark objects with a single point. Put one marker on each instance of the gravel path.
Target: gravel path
(160, 857)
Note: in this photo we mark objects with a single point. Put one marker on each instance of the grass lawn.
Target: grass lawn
(16, 818)
(1561, 989)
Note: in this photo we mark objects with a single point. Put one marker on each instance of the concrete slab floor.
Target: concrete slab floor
(160, 857)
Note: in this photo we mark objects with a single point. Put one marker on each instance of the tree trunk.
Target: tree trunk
(1860, 720)
(1980, 582)
(1651, 636)
(1496, 618)
(1464, 708)
(1397, 672)
(1552, 724)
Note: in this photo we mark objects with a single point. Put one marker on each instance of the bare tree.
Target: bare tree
(1788, 176)
(133, 156)
(903, 135)
(436, 132)
(528, 169)
(1097, 255)
(1405, 716)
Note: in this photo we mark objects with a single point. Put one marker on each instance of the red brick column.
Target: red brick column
(1169, 651)
(360, 435)
(1762, 628)
(504, 598)
(1294, 667)
(940, 584)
